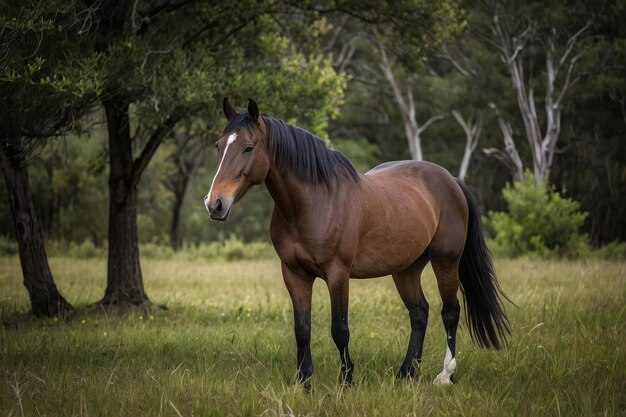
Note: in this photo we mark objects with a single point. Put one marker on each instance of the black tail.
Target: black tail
(484, 312)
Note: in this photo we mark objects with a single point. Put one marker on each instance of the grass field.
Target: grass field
(225, 347)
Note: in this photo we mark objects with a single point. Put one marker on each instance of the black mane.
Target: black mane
(300, 152)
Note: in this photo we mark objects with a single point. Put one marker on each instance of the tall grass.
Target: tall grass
(224, 346)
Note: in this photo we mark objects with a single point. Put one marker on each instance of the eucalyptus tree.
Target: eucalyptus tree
(562, 109)
(590, 165)
(541, 45)
(398, 57)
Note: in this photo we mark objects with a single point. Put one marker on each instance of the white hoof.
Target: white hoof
(443, 379)
(449, 365)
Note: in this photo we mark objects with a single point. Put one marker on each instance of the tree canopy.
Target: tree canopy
(126, 96)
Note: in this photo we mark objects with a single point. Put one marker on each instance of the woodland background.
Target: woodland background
(109, 112)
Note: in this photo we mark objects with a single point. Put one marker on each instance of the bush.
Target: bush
(231, 249)
(85, 250)
(539, 221)
(155, 251)
(8, 246)
(614, 251)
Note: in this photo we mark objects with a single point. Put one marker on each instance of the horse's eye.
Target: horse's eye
(248, 149)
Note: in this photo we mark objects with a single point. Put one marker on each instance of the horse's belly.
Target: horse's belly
(390, 250)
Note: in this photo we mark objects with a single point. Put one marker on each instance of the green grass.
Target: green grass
(225, 347)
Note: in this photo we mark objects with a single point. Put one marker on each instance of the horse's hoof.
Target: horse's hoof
(406, 374)
(306, 385)
(345, 380)
(443, 379)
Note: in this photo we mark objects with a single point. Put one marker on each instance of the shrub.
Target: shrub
(613, 251)
(7, 246)
(231, 249)
(155, 251)
(84, 250)
(539, 221)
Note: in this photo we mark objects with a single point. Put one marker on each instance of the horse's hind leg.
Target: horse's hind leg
(408, 283)
(446, 269)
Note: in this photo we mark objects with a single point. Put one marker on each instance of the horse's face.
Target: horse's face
(243, 160)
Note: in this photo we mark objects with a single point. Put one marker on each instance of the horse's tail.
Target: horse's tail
(484, 312)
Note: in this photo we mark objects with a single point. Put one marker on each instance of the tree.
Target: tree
(592, 165)
(155, 73)
(406, 104)
(151, 79)
(509, 157)
(188, 155)
(411, 77)
(33, 66)
(515, 32)
(472, 127)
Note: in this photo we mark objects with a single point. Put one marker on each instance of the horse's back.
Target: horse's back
(410, 168)
(430, 180)
(405, 203)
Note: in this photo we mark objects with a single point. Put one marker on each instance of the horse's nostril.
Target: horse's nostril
(218, 205)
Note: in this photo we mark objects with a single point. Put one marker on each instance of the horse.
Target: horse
(333, 223)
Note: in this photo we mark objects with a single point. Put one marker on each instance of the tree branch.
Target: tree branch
(154, 12)
(140, 164)
(571, 42)
(568, 83)
(428, 122)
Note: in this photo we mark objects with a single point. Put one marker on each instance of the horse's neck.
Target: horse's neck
(294, 198)
(287, 192)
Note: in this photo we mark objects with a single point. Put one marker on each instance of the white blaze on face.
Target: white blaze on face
(229, 142)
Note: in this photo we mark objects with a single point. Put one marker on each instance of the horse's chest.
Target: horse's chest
(302, 258)
(309, 253)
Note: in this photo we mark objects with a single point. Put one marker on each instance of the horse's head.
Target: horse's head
(244, 160)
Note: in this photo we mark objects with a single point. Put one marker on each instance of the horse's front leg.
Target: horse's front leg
(338, 285)
(301, 289)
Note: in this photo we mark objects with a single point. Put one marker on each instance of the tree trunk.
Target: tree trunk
(511, 49)
(124, 279)
(510, 156)
(46, 301)
(179, 196)
(472, 135)
(406, 107)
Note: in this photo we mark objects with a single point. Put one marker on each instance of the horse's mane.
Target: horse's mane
(300, 152)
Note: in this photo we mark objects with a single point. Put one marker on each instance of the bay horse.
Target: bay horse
(331, 222)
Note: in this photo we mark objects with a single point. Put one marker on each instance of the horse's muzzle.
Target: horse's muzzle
(219, 208)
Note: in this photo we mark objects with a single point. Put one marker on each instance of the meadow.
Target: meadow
(225, 347)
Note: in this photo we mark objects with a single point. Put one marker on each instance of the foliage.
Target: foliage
(44, 88)
(8, 246)
(361, 153)
(287, 82)
(225, 346)
(539, 221)
(288, 57)
(229, 249)
(615, 251)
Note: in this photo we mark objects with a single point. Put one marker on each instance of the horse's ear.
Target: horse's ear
(253, 110)
(229, 111)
